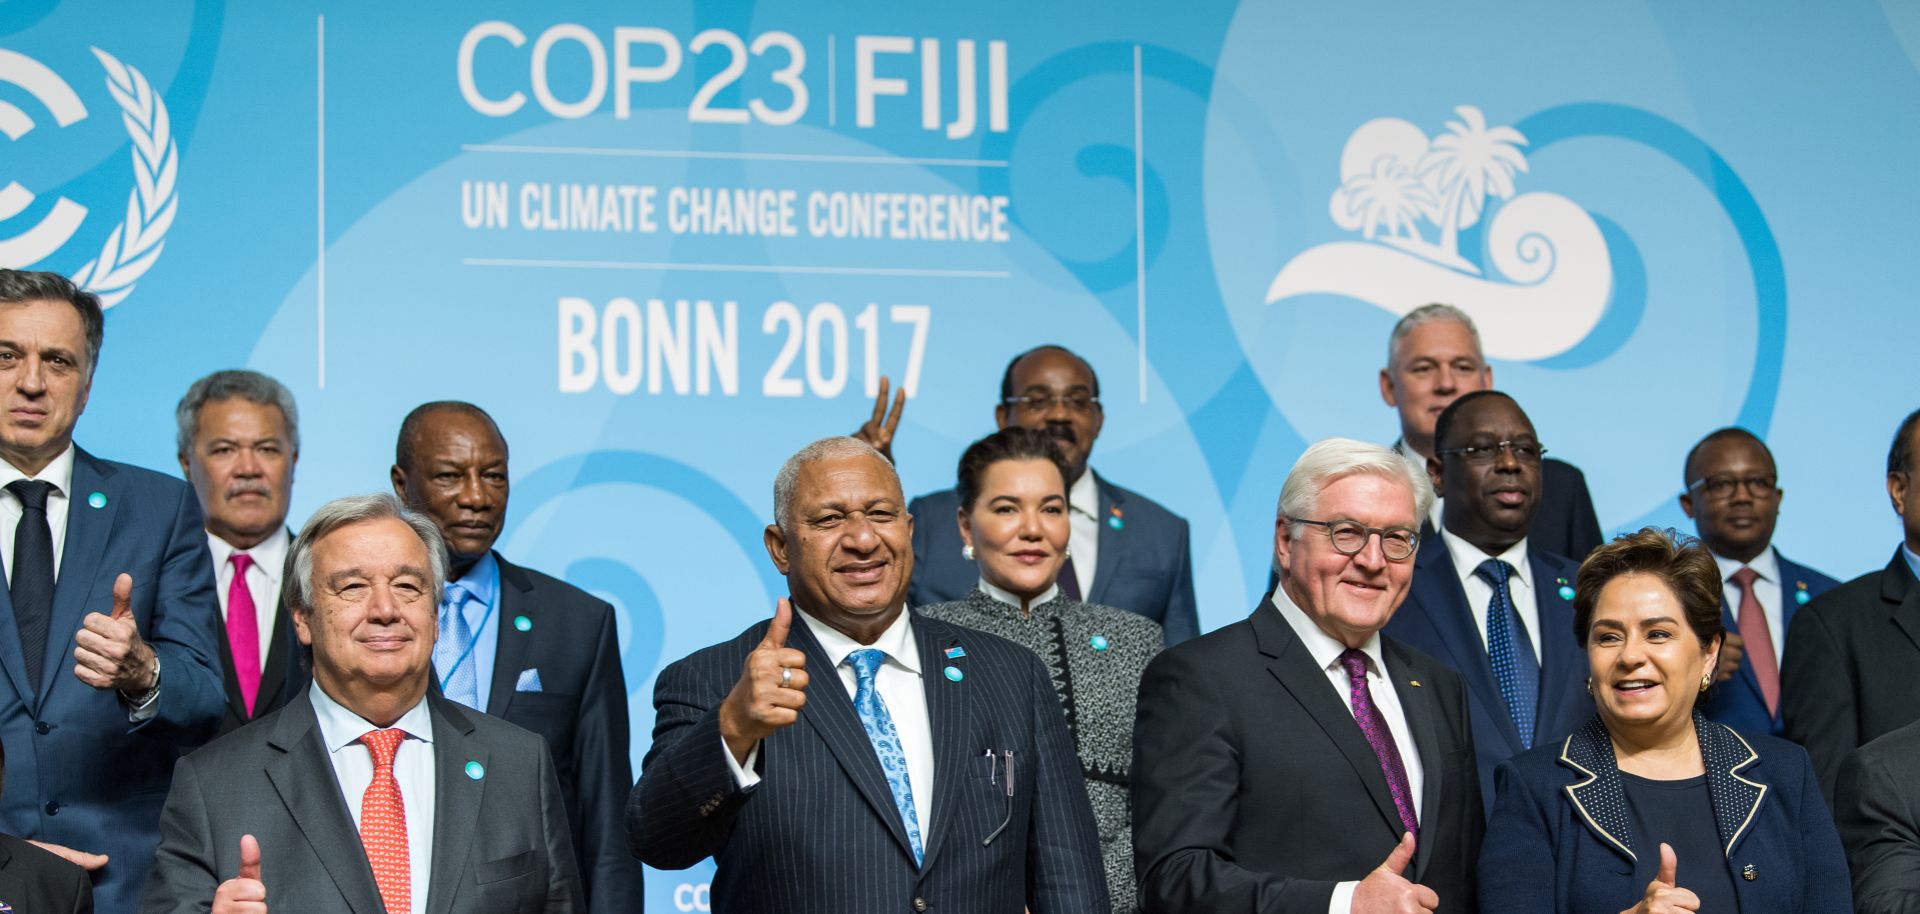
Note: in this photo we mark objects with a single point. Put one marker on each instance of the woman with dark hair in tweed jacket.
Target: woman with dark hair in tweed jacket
(1013, 518)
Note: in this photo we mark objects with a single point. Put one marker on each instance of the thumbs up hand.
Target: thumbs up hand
(108, 651)
(771, 690)
(1387, 891)
(1664, 895)
(244, 893)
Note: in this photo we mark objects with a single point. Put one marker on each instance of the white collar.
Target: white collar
(1084, 495)
(340, 728)
(1322, 647)
(59, 472)
(897, 641)
(1406, 450)
(270, 555)
(1006, 596)
(1766, 565)
(1467, 557)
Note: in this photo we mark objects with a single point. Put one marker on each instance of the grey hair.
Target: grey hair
(296, 585)
(1335, 458)
(838, 447)
(1427, 314)
(251, 386)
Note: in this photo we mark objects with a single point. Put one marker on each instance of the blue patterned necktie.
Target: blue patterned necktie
(1514, 666)
(886, 742)
(456, 636)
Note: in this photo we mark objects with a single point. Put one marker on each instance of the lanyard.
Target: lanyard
(468, 652)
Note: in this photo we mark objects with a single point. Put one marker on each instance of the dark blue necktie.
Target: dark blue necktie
(31, 586)
(1511, 651)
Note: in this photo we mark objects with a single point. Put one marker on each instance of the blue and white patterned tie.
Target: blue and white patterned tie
(456, 636)
(1514, 666)
(886, 742)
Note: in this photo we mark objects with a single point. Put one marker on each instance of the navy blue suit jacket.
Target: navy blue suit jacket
(78, 773)
(1436, 619)
(1561, 838)
(820, 832)
(1738, 702)
(1145, 564)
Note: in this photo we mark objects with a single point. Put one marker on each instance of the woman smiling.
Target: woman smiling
(1013, 519)
(1650, 807)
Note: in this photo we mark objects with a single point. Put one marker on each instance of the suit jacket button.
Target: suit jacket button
(42, 727)
(1749, 872)
(919, 904)
(53, 807)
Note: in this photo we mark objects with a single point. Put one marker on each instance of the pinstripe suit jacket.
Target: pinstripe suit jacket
(820, 832)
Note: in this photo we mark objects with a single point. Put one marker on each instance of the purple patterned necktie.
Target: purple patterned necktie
(1374, 728)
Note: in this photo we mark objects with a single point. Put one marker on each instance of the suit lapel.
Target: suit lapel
(1749, 681)
(1417, 702)
(1735, 798)
(829, 712)
(457, 797)
(949, 714)
(1558, 650)
(515, 595)
(273, 677)
(1113, 540)
(1599, 799)
(12, 657)
(1294, 667)
(80, 558)
(1443, 602)
(303, 776)
(1897, 587)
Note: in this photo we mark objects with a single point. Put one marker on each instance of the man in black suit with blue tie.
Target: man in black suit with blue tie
(1733, 495)
(850, 756)
(1485, 600)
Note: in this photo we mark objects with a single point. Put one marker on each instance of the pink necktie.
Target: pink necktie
(243, 631)
(1759, 639)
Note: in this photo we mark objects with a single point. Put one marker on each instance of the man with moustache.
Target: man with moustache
(1733, 495)
(239, 438)
(1847, 675)
(1487, 602)
(1298, 761)
(1126, 550)
(851, 756)
(520, 645)
(109, 631)
(368, 793)
(1434, 356)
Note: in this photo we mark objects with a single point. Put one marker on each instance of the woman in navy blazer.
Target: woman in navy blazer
(1650, 808)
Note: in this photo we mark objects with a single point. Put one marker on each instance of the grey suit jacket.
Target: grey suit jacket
(500, 841)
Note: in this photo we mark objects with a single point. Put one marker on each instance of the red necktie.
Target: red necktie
(1759, 638)
(383, 824)
(243, 631)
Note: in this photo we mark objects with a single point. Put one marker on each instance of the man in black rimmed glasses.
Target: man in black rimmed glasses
(1733, 495)
(1486, 600)
(1126, 551)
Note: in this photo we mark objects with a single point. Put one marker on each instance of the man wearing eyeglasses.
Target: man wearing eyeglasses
(1297, 760)
(1733, 496)
(1125, 550)
(1485, 600)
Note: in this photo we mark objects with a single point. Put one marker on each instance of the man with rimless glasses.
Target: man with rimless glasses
(1488, 602)
(1733, 496)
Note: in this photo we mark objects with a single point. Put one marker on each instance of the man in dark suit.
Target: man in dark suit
(1434, 356)
(851, 756)
(521, 645)
(1297, 761)
(1733, 495)
(1126, 550)
(238, 442)
(367, 794)
(32, 879)
(1486, 601)
(1877, 806)
(1847, 676)
(109, 631)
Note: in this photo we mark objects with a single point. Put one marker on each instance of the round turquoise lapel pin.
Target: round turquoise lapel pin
(476, 771)
(1801, 597)
(1566, 591)
(97, 499)
(522, 623)
(1099, 642)
(954, 674)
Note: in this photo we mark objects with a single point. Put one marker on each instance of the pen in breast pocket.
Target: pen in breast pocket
(1009, 772)
(993, 771)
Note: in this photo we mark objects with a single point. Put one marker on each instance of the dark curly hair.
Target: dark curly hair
(1678, 560)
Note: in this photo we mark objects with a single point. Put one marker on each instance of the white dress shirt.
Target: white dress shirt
(340, 732)
(900, 685)
(1466, 560)
(1325, 651)
(1767, 588)
(1083, 515)
(263, 580)
(60, 473)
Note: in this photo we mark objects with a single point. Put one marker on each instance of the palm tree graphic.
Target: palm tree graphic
(1465, 164)
(1391, 196)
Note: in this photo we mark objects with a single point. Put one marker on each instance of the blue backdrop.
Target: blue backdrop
(667, 243)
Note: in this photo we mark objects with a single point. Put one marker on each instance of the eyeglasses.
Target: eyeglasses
(1721, 487)
(1349, 537)
(1523, 451)
(1040, 404)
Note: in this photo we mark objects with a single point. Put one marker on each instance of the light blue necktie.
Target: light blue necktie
(1511, 651)
(456, 637)
(886, 742)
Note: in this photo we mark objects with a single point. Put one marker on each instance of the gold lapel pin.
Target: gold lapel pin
(1414, 682)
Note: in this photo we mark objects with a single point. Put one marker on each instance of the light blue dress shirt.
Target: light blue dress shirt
(482, 581)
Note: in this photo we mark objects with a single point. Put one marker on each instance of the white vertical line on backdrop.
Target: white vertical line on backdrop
(320, 193)
(1140, 219)
(830, 81)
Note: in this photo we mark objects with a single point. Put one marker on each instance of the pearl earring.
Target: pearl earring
(966, 552)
